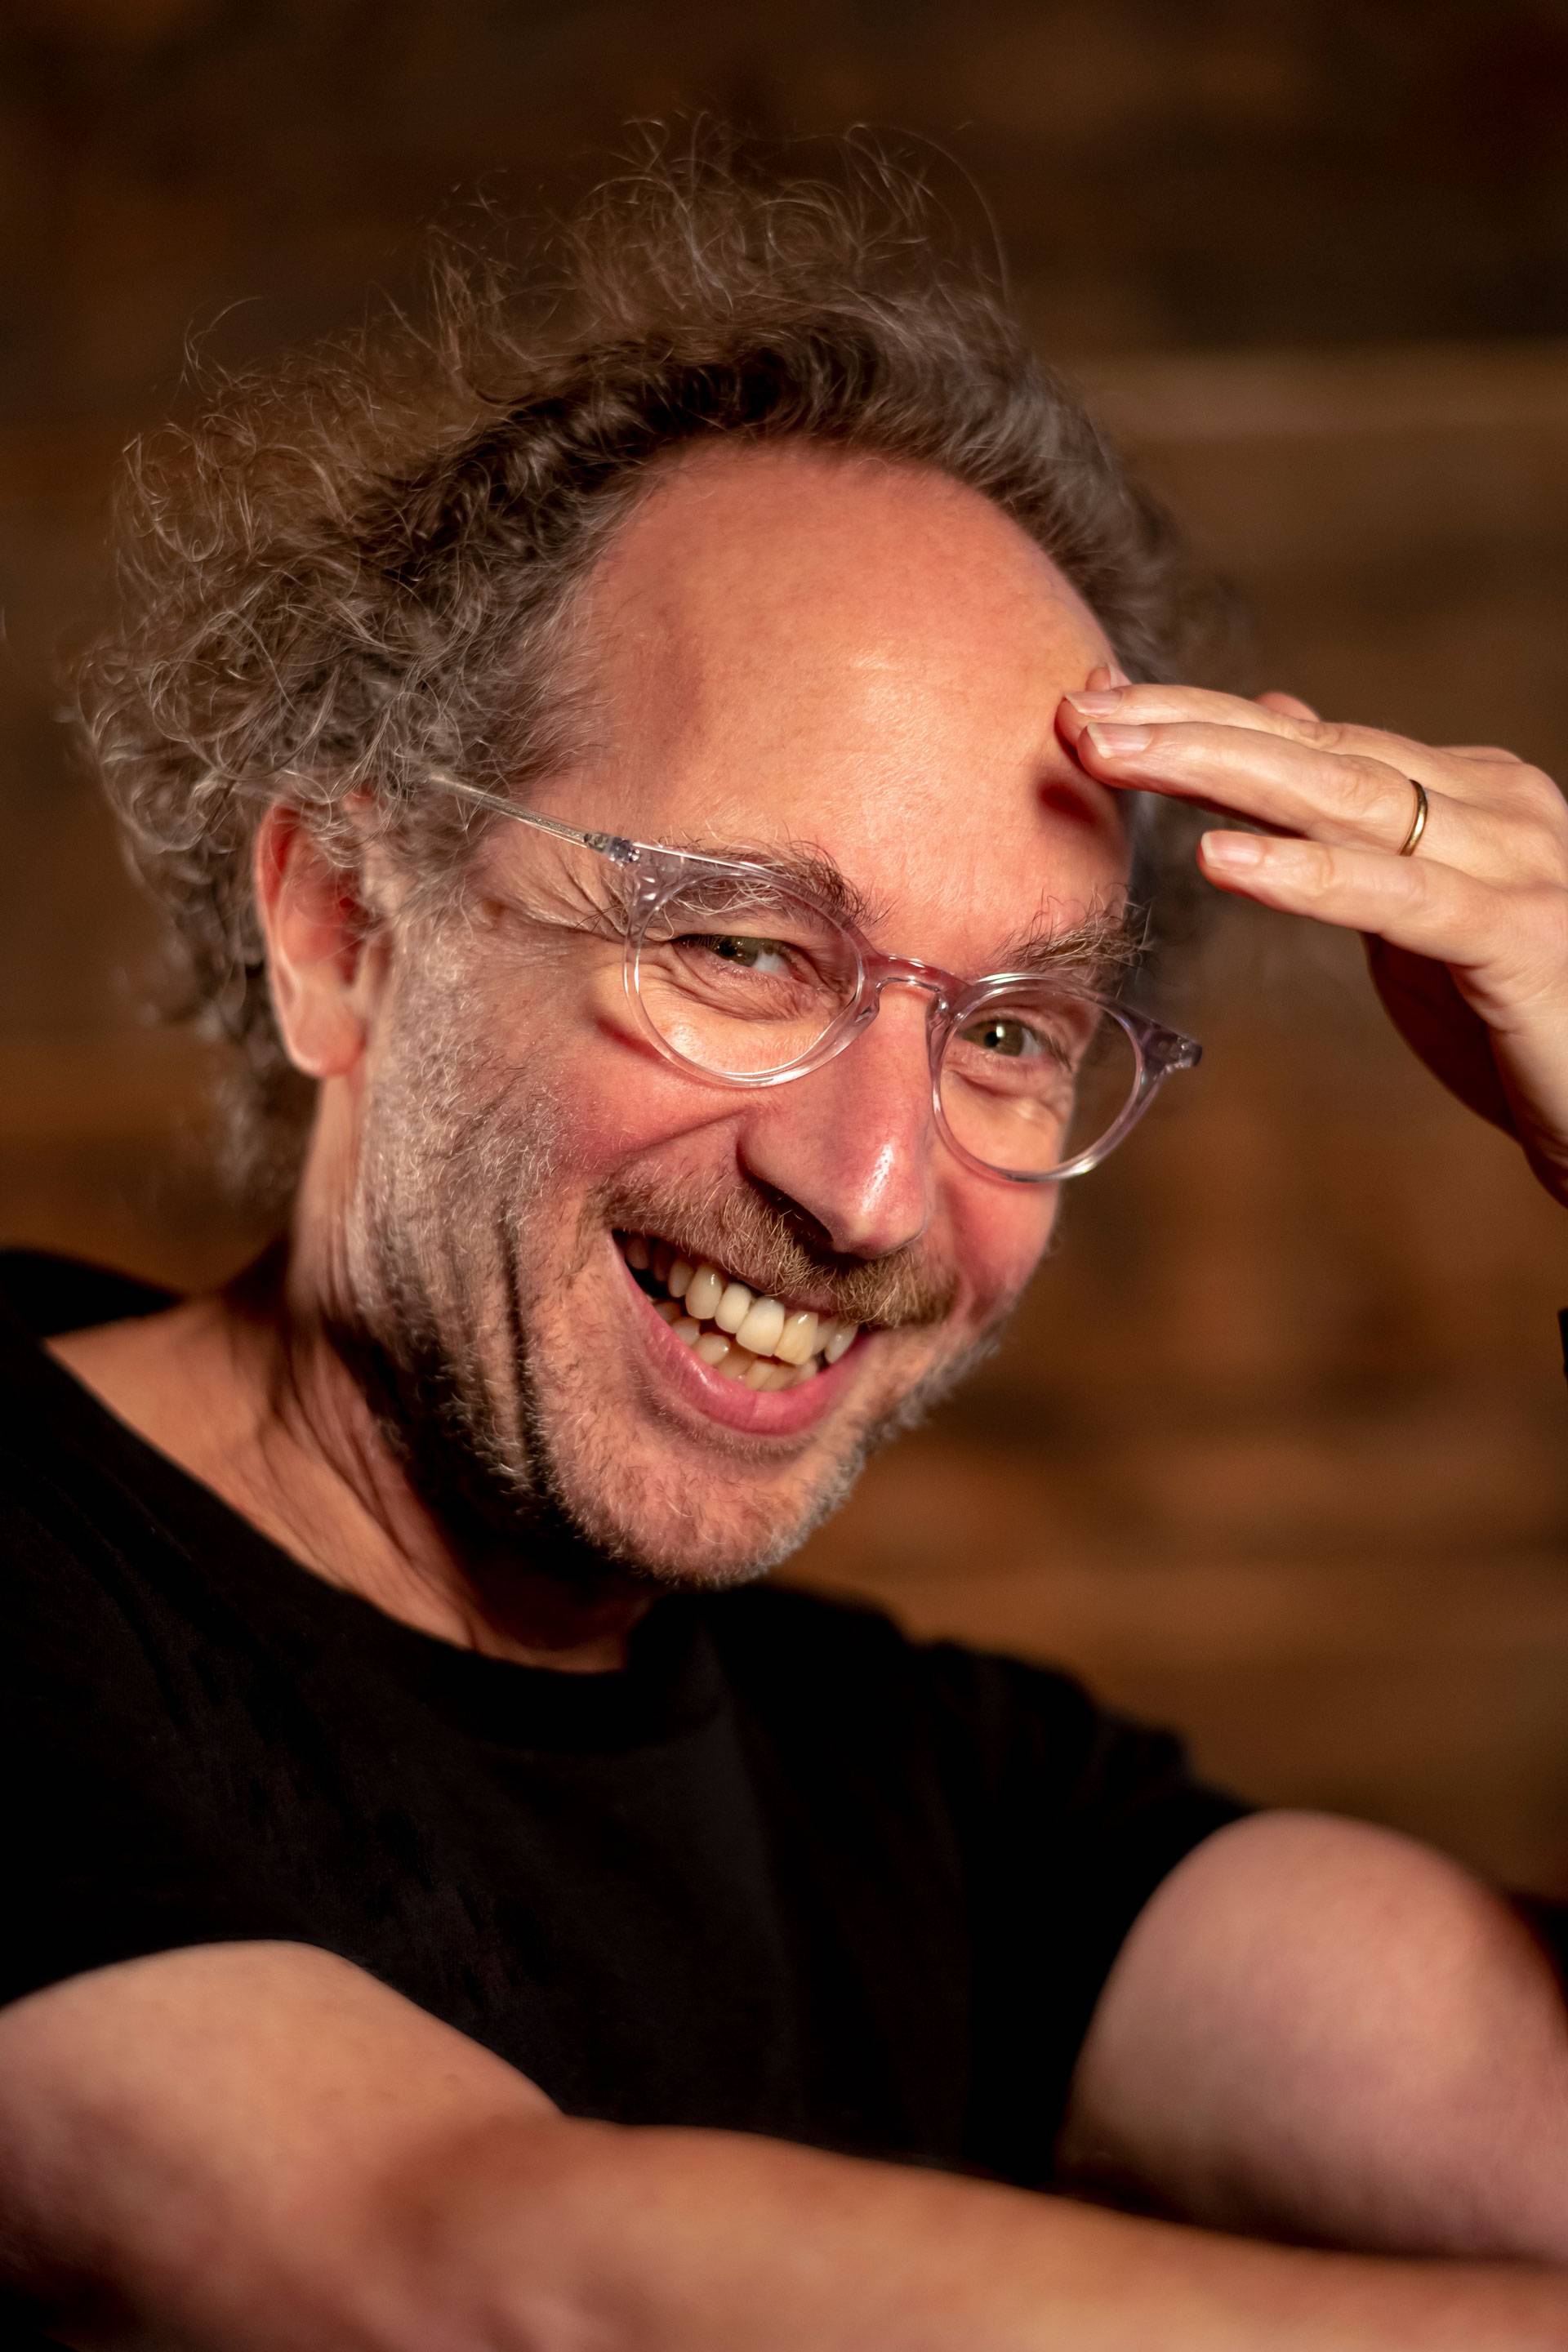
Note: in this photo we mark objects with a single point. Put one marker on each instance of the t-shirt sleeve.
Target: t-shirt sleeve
(1070, 1816)
(113, 1847)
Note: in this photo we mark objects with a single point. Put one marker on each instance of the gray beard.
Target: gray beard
(432, 1320)
(490, 1472)
(430, 1274)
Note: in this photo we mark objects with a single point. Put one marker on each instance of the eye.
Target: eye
(1014, 1039)
(769, 958)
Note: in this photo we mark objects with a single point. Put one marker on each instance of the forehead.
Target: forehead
(799, 646)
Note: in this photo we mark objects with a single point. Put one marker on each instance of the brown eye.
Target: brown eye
(1009, 1037)
(740, 949)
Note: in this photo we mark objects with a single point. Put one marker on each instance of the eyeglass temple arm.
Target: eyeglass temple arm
(608, 845)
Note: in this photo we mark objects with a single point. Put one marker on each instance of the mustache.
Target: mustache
(779, 1252)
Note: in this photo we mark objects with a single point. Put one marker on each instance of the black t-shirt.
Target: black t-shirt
(788, 1872)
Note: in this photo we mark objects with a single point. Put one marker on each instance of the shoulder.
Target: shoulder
(55, 1438)
(992, 1724)
(826, 1646)
(51, 1551)
(80, 1606)
(73, 1516)
(1321, 2029)
(77, 1651)
(43, 1294)
(827, 1635)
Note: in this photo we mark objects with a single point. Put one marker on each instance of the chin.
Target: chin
(646, 1495)
(660, 1538)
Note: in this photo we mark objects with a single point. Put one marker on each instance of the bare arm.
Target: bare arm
(1323, 2032)
(257, 2148)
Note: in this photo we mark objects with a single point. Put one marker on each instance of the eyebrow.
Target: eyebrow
(797, 863)
(1094, 953)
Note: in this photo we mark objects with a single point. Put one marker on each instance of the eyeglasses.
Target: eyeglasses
(738, 975)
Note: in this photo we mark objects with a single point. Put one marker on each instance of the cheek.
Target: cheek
(616, 1100)
(999, 1242)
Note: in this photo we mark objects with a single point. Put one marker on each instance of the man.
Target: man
(668, 814)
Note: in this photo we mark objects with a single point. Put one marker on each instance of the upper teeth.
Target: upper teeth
(779, 1341)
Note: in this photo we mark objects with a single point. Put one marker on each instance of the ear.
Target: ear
(316, 927)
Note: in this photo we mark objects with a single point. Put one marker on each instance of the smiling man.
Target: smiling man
(571, 1125)
(657, 829)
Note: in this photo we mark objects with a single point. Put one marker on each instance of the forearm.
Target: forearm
(660, 2241)
(257, 2150)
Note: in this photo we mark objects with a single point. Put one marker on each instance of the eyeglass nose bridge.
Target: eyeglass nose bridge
(946, 992)
(906, 971)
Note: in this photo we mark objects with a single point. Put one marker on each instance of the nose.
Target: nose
(854, 1143)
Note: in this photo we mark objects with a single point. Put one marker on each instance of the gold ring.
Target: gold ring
(1417, 823)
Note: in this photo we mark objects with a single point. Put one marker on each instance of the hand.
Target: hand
(1466, 938)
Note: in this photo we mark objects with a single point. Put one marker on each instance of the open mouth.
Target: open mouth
(765, 1343)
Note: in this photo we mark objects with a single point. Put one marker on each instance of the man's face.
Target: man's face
(788, 649)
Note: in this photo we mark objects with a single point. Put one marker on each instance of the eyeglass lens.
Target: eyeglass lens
(1032, 1083)
(747, 980)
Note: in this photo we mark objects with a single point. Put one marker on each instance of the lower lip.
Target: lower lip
(762, 1412)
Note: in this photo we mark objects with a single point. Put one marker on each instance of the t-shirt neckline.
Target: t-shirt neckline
(671, 1684)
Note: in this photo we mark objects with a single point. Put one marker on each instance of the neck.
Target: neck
(247, 1387)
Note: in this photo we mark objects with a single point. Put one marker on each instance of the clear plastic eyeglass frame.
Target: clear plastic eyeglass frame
(657, 875)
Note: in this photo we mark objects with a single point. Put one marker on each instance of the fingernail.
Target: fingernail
(1098, 698)
(1235, 850)
(1115, 743)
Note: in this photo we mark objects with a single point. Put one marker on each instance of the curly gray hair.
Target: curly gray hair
(362, 567)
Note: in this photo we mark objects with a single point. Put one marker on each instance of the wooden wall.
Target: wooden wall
(1279, 1448)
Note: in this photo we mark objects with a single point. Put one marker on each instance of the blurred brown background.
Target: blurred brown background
(1279, 1450)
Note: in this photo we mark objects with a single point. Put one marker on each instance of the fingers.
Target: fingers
(1412, 902)
(1278, 782)
(1275, 763)
(1286, 718)
(1161, 705)
(1506, 949)
(1515, 830)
